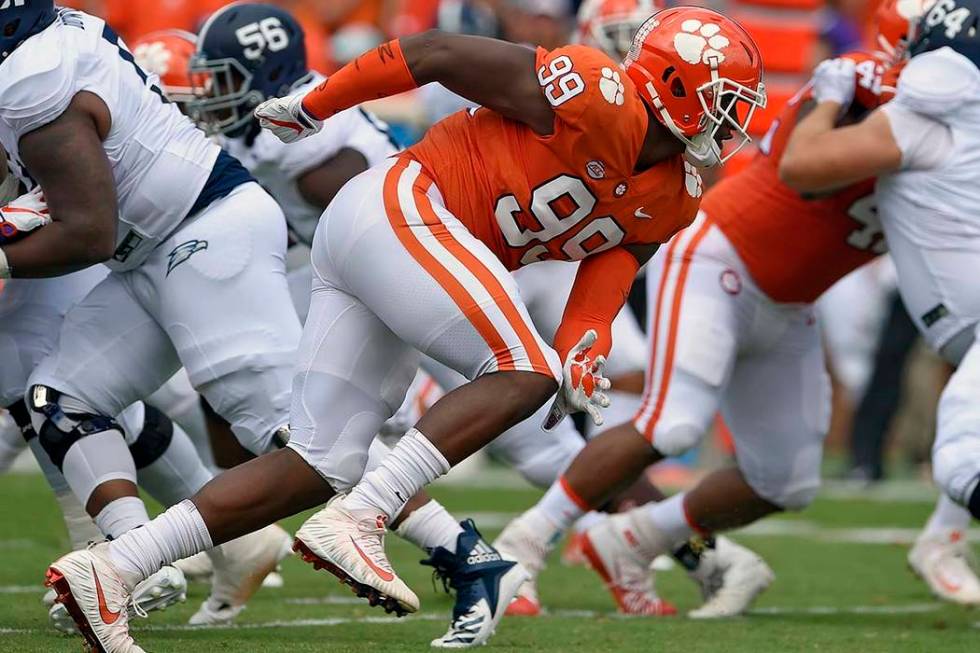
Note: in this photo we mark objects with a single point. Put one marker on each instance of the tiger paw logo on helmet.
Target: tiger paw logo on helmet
(692, 180)
(612, 87)
(154, 57)
(700, 42)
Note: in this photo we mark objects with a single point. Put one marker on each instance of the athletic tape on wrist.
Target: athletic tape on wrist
(4, 266)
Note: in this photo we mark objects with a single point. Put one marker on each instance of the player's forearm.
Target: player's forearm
(489, 72)
(601, 288)
(807, 163)
(55, 250)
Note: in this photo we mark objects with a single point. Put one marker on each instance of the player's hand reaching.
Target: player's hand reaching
(833, 81)
(22, 215)
(583, 385)
(287, 119)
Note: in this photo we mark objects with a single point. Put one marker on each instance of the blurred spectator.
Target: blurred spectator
(841, 28)
(545, 23)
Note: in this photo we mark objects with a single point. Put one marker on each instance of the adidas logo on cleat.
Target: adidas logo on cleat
(481, 553)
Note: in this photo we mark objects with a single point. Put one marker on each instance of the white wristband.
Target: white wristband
(4, 267)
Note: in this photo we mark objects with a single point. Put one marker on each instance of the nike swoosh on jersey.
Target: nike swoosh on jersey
(640, 214)
(108, 616)
(386, 576)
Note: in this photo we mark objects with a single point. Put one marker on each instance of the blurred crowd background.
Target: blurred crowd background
(886, 384)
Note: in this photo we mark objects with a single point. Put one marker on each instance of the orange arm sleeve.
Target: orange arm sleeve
(375, 74)
(601, 287)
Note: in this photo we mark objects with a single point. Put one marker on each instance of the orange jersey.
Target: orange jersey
(796, 247)
(568, 195)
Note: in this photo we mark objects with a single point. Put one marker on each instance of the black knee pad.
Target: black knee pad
(153, 440)
(974, 504)
(60, 429)
(22, 418)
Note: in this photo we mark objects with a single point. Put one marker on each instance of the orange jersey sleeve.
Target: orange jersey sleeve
(570, 194)
(797, 246)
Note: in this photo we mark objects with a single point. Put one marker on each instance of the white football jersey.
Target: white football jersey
(160, 160)
(929, 208)
(277, 166)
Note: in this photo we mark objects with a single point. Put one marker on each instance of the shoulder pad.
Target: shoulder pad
(938, 83)
(36, 84)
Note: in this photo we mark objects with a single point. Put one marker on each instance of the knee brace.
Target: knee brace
(22, 418)
(153, 440)
(60, 430)
(974, 504)
(678, 439)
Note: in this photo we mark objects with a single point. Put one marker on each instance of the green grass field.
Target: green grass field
(842, 585)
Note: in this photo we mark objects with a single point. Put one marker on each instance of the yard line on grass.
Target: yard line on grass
(778, 528)
(911, 608)
(326, 600)
(21, 589)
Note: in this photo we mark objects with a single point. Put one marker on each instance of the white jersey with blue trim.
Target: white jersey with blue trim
(160, 161)
(929, 207)
(278, 166)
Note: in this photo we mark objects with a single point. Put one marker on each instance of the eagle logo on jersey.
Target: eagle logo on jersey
(612, 87)
(700, 42)
(184, 251)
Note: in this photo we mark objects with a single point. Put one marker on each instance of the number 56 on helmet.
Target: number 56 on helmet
(700, 74)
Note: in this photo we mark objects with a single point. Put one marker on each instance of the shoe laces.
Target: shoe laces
(371, 540)
(136, 608)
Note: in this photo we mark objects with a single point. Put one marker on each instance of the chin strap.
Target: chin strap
(701, 151)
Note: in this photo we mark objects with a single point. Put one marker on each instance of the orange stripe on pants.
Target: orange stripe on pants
(437, 271)
(486, 278)
(675, 316)
(654, 326)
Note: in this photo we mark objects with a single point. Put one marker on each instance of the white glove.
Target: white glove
(24, 214)
(287, 119)
(833, 81)
(583, 385)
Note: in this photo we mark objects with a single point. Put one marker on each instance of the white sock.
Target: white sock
(81, 528)
(588, 520)
(560, 506)
(948, 516)
(178, 533)
(669, 518)
(412, 464)
(430, 526)
(121, 515)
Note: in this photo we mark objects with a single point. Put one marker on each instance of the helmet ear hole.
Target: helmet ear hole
(677, 88)
(11, 28)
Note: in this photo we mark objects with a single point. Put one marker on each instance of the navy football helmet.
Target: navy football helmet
(247, 53)
(22, 19)
(953, 23)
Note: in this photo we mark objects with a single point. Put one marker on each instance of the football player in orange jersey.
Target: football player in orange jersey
(570, 158)
(732, 330)
(610, 24)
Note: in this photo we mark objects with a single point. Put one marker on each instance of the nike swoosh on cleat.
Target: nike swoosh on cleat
(640, 214)
(386, 576)
(108, 616)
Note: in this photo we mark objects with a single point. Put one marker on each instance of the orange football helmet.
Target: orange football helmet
(695, 69)
(610, 24)
(894, 22)
(168, 54)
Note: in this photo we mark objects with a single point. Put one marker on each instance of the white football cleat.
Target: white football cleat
(158, 592)
(351, 546)
(240, 566)
(731, 577)
(522, 541)
(943, 561)
(197, 568)
(93, 590)
(610, 547)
